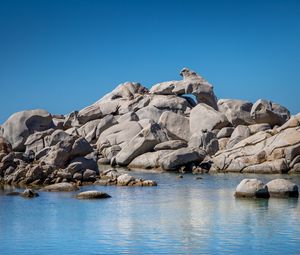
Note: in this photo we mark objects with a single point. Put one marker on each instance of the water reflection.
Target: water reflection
(185, 216)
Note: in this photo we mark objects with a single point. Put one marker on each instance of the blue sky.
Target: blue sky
(62, 55)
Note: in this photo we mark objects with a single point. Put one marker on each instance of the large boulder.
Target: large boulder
(282, 188)
(252, 188)
(118, 134)
(240, 133)
(177, 126)
(236, 111)
(22, 124)
(149, 112)
(192, 83)
(143, 142)
(264, 111)
(181, 157)
(5, 146)
(149, 160)
(205, 140)
(204, 117)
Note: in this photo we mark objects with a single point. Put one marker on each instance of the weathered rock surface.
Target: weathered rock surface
(92, 194)
(282, 188)
(170, 145)
(204, 117)
(264, 111)
(252, 188)
(181, 157)
(143, 142)
(60, 187)
(236, 111)
(205, 140)
(192, 83)
(177, 126)
(22, 124)
(240, 133)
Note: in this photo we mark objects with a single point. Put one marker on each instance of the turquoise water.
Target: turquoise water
(179, 216)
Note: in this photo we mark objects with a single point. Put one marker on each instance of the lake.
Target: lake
(179, 216)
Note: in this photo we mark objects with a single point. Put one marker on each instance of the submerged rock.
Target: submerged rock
(92, 194)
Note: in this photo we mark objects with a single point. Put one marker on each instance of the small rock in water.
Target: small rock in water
(179, 176)
(252, 188)
(198, 178)
(64, 186)
(282, 188)
(29, 193)
(92, 194)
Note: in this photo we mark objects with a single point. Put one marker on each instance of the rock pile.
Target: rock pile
(175, 124)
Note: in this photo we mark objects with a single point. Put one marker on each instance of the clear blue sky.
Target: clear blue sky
(62, 55)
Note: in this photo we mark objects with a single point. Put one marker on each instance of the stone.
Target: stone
(148, 160)
(255, 128)
(81, 164)
(204, 117)
(170, 145)
(5, 146)
(177, 126)
(264, 111)
(252, 188)
(118, 134)
(145, 122)
(149, 112)
(130, 116)
(171, 103)
(192, 83)
(124, 179)
(236, 111)
(103, 161)
(29, 193)
(225, 132)
(81, 147)
(282, 188)
(89, 175)
(59, 136)
(56, 156)
(240, 133)
(105, 123)
(22, 124)
(223, 143)
(60, 187)
(181, 157)
(92, 194)
(88, 130)
(143, 142)
(205, 140)
(111, 152)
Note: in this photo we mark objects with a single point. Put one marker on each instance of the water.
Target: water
(180, 216)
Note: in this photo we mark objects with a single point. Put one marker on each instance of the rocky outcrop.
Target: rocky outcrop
(176, 125)
(264, 111)
(22, 124)
(192, 83)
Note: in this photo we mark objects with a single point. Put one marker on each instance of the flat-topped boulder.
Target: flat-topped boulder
(92, 194)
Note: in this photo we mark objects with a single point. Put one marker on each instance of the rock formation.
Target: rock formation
(162, 128)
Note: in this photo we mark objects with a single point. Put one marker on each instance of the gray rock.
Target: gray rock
(181, 157)
(240, 133)
(264, 111)
(89, 175)
(143, 142)
(204, 117)
(149, 112)
(177, 126)
(145, 122)
(29, 193)
(225, 132)
(60, 187)
(105, 123)
(124, 179)
(81, 148)
(118, 134)
(170, 145)
(92, 194)
(252, 188)
(111, 152)
(88, 130)
(130, 116)
(206, 141)
(22, 124)
(5, 146)
(170, 103)
(255, 128)
(192, 83)
(148, 160)
(282, 188)
(236, 111)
